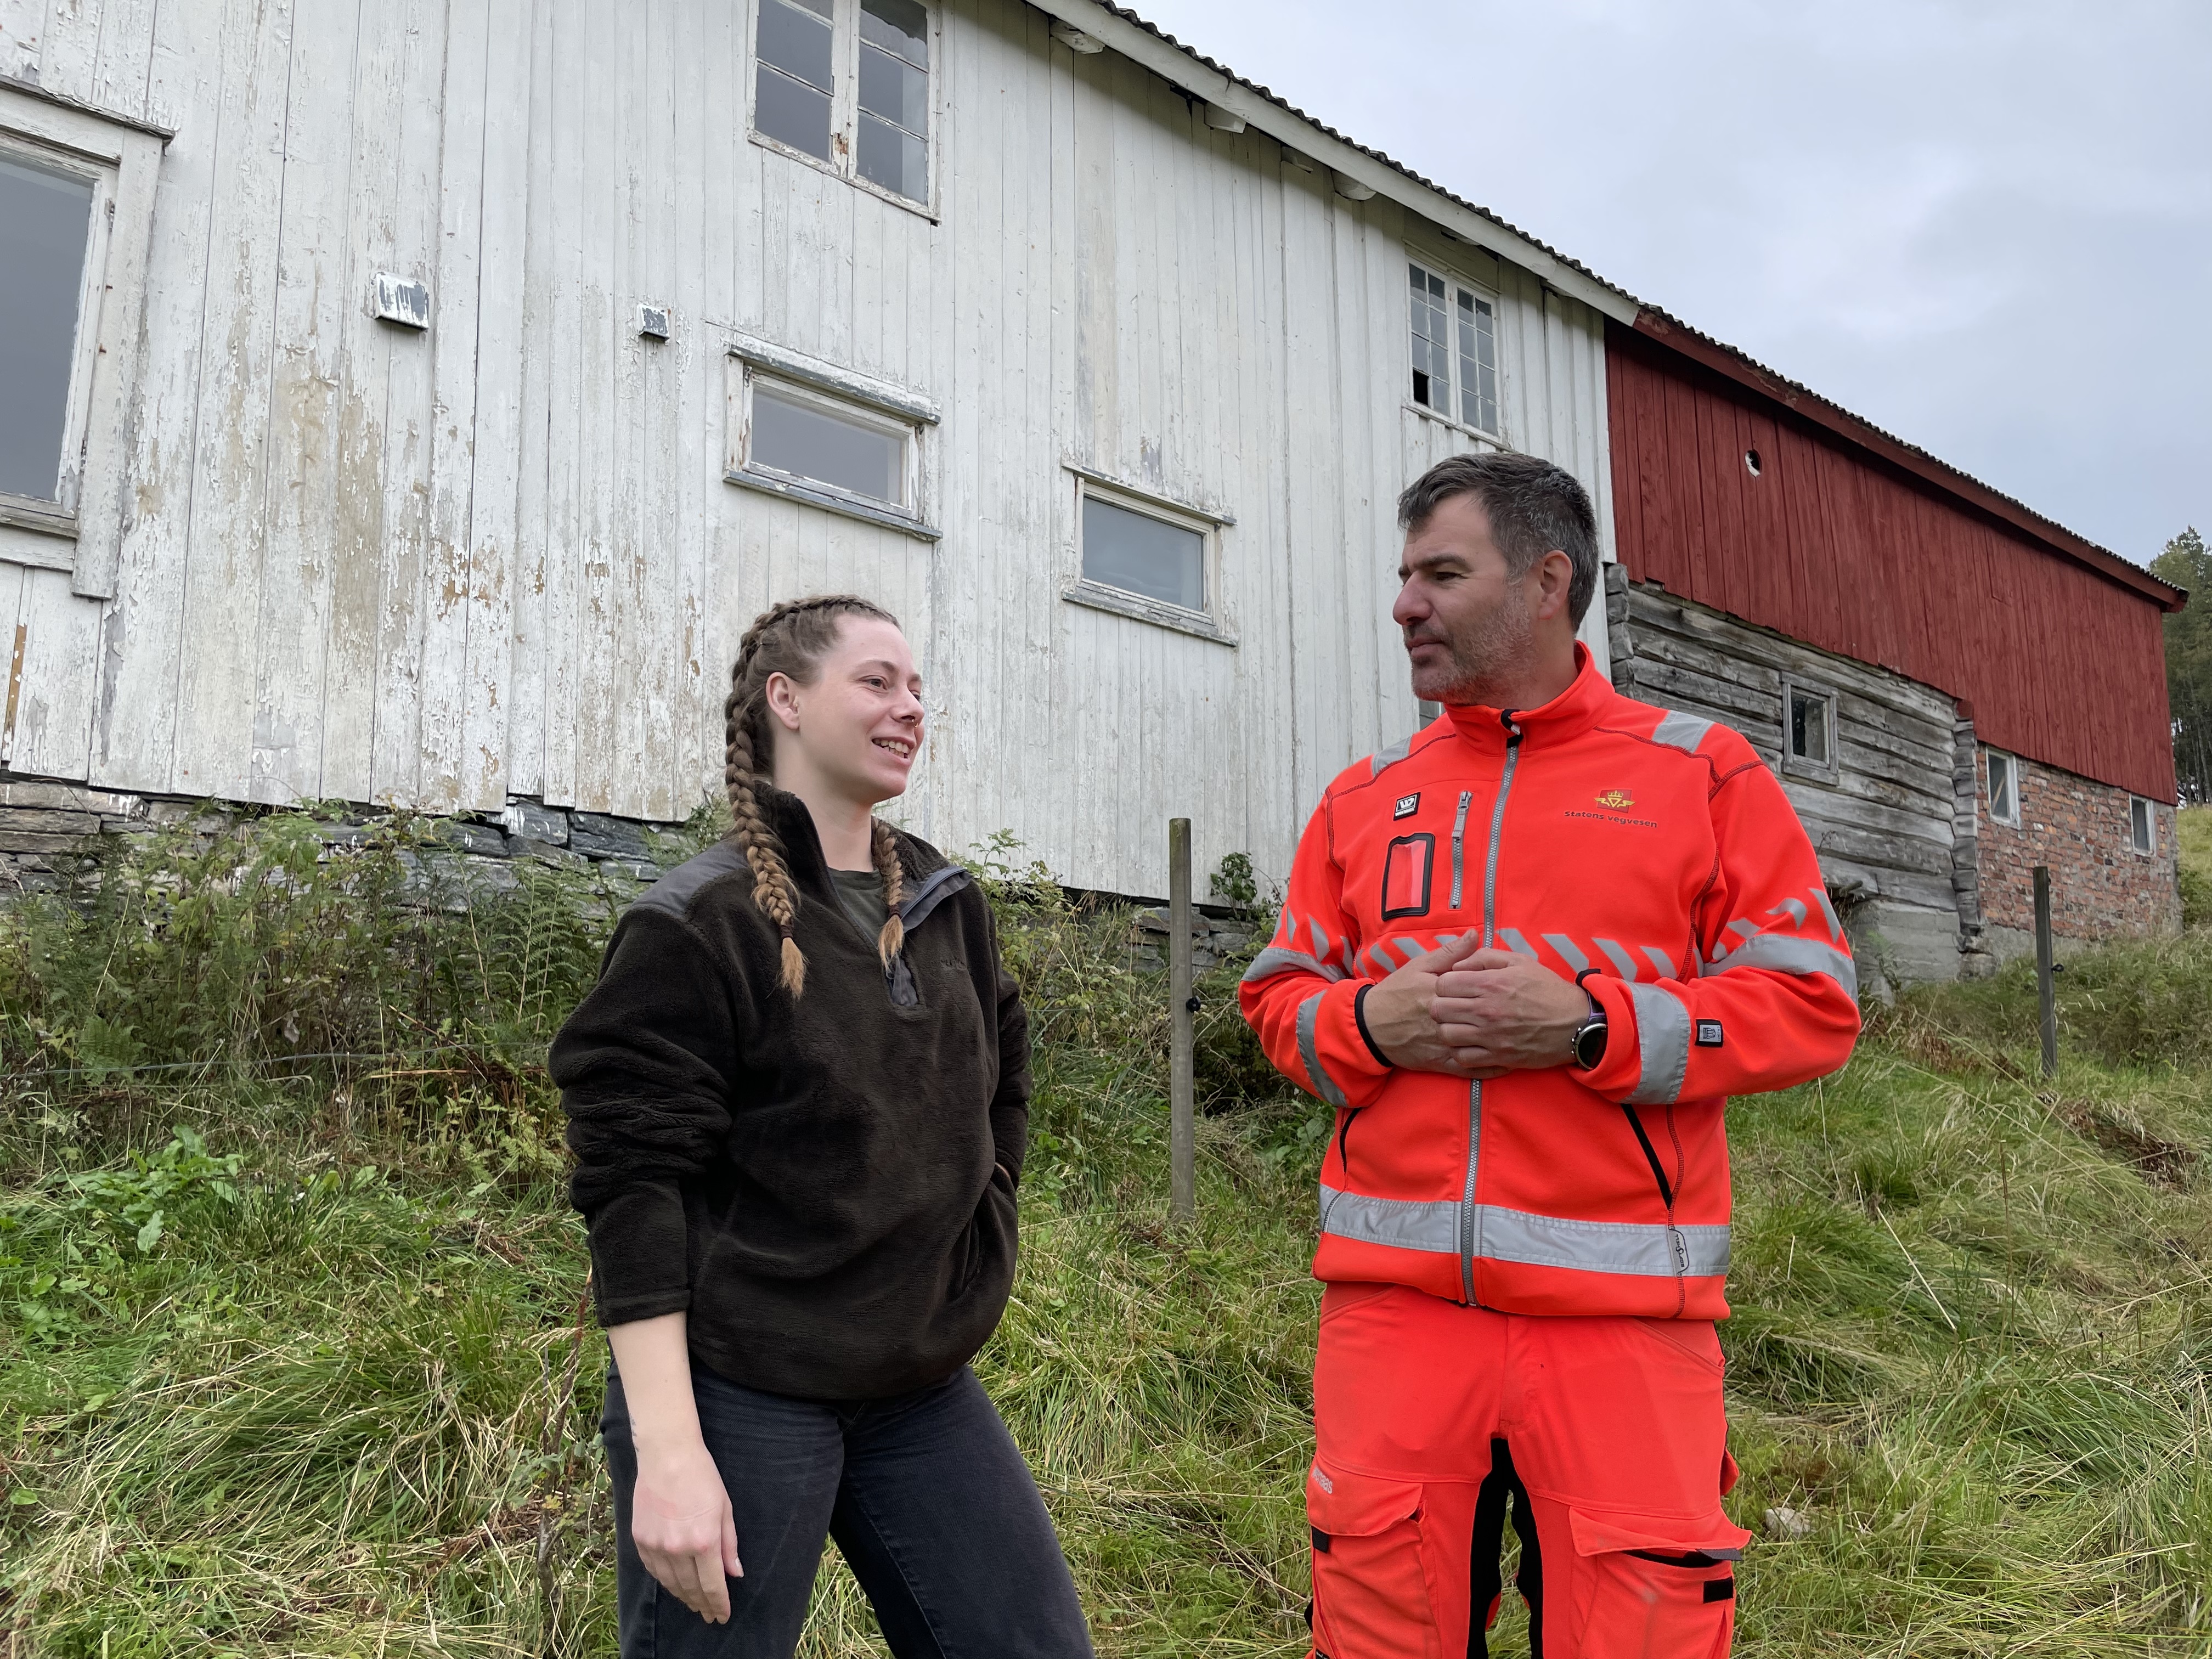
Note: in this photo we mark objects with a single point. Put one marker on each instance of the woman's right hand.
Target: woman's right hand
(680, 1522)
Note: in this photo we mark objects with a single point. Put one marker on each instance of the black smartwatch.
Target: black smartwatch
(1587, 1046)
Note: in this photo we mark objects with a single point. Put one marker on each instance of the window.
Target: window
(1143, 556)
(2143, 828)
(75, 207)
(48, 211)
(1140, 553)
(1810, 737)
(813, 432)
(2003, 789)
(810, 438)
(1454, 334)
(846, 84)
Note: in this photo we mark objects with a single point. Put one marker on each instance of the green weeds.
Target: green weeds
(293, 1357)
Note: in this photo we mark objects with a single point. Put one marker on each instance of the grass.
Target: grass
(293, 1360)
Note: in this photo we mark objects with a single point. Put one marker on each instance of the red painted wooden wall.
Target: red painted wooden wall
(1836, 548)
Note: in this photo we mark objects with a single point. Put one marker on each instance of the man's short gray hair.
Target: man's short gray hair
(1533, 507)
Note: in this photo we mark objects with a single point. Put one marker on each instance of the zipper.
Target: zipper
(1459, 840)
(1469, 1243)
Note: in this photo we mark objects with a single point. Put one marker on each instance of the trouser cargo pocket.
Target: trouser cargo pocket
(1370, 1591)
(1656, 1586)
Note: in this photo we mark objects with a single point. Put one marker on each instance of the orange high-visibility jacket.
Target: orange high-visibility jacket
(1594, 832)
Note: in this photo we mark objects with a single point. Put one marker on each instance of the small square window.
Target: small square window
(2004, 775)
(1810, 736)
(2142, 827)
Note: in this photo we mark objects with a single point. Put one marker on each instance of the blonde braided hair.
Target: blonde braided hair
(791, 639)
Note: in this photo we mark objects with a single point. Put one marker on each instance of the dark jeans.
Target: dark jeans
(928, 1500)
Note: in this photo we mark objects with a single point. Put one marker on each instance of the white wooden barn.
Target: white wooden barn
(412, 402)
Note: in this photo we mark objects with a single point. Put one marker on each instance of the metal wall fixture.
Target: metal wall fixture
(402, 300)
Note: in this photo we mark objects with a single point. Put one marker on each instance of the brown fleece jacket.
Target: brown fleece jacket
(814, 1179)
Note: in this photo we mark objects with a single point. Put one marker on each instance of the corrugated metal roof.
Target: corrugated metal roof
(1782, 388)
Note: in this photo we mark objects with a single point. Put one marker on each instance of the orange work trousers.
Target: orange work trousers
(1603, 1436)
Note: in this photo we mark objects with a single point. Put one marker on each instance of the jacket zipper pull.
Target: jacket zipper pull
(1512, 727)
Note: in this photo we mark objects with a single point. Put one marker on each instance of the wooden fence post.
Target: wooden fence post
(1182, 1133)
(2045, 971)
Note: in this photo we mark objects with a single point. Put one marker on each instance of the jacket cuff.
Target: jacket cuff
(1339, 1056)
(1616, 1076)
(640, 1254)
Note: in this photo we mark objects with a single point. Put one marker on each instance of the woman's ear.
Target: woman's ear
(783, 700)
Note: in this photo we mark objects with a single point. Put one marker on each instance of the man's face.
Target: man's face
(1465, 622)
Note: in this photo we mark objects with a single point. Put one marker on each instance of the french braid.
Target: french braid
(885, 847)
(790, 639)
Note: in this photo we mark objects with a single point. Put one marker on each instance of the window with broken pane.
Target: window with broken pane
(793, 80)
(846, 83)
(1453, 334)
(894, 150)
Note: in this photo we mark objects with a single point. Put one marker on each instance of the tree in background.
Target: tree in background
(2187, 563)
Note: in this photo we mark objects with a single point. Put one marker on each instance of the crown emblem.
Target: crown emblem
(1618, 800)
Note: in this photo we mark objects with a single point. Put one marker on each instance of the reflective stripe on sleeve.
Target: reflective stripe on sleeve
(1790, 954)
(1324, 1084)
(1663, 1040)
(1647, 1249)
(1276, 960)
(1618, 958)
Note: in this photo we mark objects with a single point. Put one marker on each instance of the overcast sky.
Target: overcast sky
(1985, 228)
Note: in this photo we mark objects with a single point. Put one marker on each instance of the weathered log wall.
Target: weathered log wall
(1884, 825)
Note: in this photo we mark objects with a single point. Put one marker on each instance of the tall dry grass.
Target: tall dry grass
(293, 1360)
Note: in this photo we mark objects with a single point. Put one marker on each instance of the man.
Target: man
(1526, 955)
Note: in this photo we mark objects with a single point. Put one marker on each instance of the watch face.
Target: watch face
(1590, 1044)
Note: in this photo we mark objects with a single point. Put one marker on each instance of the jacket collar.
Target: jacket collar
(793, 825)
(1568, 715)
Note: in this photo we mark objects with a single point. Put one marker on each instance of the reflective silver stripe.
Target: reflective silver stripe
(1320, 938)
(1646, 1249)
(1789, 955)
(1570, 952)
(1662, 1042)
(1324, 1084)
(1682, 732)
(1661, 960)
(1513, 941)
(1390, 757)
(1275, 960)
(1793, 908)
(1459, 843)
(1618, 958)
(1835, 921)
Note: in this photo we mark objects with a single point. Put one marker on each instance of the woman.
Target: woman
(798, 1102)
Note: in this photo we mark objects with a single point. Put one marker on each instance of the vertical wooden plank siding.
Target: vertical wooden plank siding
(498, 556)
(1835, 548)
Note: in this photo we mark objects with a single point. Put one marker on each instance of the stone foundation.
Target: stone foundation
(48, 828)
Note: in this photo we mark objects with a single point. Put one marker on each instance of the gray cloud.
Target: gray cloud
(1986, 228)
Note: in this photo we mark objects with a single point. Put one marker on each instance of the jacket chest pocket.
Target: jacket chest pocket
(1409, 869)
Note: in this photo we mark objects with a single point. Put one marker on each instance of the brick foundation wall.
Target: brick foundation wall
(2099, 885)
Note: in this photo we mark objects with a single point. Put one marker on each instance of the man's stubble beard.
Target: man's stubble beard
(1490, 654)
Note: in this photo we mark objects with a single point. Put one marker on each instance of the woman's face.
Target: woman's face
(857, 730)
